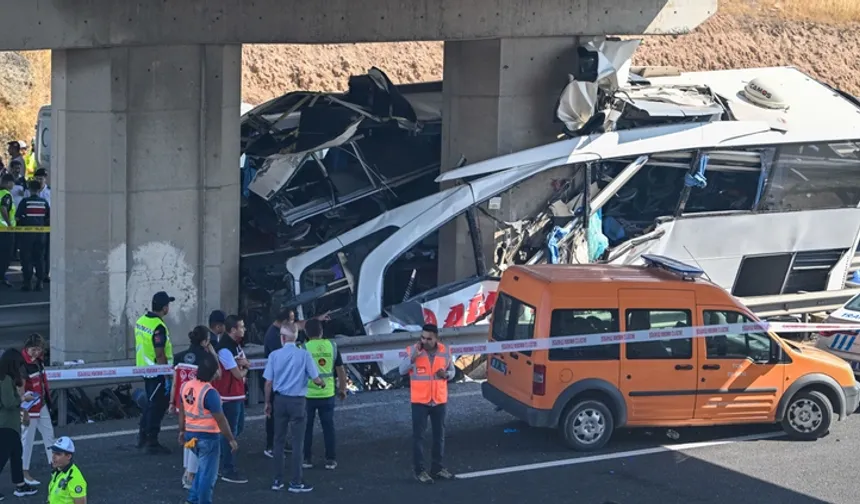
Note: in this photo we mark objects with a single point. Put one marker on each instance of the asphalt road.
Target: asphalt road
(491, 453)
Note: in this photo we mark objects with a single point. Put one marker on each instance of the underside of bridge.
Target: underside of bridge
(146, 129)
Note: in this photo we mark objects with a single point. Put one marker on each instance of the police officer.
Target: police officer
(33, 211)
(153, 347)
(68, 485)
(7, 221)
(45, 193)
(327, 358)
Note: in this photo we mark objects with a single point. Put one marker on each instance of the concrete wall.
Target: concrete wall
(146, 193)
(58, 24)
(499, 97)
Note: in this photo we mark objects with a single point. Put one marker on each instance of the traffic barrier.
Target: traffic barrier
(25, 229)
(572, 341)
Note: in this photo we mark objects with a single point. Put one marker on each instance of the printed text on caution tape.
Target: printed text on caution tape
(490, 347)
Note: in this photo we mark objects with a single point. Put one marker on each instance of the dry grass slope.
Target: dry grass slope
(828, 11)
(821, 37)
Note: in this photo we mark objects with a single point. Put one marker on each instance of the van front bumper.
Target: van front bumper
(533, 416)
(852, 398)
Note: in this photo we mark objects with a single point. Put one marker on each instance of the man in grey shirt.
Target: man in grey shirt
(288, 371)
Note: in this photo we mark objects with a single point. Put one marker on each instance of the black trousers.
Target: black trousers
(47, 255)
(420, 414)
(32, 247)
(7, 242)
(153, 413)
(11, 451)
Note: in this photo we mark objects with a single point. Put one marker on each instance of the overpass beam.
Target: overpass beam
(146, 197)
(498, 97)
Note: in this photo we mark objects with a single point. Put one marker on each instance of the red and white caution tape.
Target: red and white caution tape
(491, 347)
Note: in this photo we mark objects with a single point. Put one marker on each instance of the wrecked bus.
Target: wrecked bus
(764, 204)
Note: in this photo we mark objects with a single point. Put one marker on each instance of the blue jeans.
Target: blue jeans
(235, 413)
(208, 451)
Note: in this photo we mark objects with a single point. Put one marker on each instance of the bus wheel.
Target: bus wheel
(587, 425)
(808, 416)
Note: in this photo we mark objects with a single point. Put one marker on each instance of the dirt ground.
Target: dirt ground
(826, 51)
(751, 36)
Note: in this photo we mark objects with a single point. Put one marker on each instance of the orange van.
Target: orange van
(588, 392)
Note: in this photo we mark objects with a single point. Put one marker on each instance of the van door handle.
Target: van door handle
(515, 356)
(711, 366)
(685, 367)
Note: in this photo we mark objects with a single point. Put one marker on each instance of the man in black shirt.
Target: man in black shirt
(217, 320)
(33, 211)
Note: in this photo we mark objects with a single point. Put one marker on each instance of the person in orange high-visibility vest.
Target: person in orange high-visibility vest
(429, 367)
(201, 425)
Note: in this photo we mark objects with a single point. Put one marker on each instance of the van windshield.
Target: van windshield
(513, 320)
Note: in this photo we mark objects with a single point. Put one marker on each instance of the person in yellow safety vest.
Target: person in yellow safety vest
(429, 366)
(201, 425)
(327, 357)
(68, 485)
(7, 221)
(30, 164)
(152, 348)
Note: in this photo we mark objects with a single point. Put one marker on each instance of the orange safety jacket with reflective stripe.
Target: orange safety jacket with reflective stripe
(197, 418)
(425, 388)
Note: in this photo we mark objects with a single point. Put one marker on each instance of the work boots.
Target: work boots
(151, 445)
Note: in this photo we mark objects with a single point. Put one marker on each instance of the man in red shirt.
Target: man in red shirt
(231, 386)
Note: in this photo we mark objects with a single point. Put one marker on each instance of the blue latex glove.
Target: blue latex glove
(168, 386)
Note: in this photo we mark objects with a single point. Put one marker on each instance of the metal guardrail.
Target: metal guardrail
(796, 304)
(25, 314)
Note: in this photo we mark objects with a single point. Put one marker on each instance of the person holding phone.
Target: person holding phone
(429, 366)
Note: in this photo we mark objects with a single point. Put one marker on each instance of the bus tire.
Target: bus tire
(587, 425)
(808, 416)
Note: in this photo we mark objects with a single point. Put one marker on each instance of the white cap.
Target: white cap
(22, 144)
(64, 444)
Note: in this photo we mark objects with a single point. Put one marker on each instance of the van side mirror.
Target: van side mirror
(775, 352)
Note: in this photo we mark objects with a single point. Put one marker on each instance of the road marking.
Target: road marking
(617, 455)
(347, 407)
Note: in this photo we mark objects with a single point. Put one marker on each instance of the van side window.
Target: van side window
(644, 320)
(513, 320)
(753, 345)
(577, 322)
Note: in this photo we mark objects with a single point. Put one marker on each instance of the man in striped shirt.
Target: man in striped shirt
(33, 211)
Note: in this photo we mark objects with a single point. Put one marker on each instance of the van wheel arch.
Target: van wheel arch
(591, 388)
(814, 382)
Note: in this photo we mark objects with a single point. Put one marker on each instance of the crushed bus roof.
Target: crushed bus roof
(808, 101)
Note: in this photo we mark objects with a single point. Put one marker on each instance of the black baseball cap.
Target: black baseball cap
(217, 317)
(161, 299)
(41, 172)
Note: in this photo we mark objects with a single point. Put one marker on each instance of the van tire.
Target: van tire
(808, 416)
(582, 419)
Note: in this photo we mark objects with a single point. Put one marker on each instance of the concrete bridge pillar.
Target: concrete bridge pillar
(145, 191)
(499, 97)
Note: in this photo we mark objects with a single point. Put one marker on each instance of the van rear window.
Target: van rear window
(513, 320)
(577, 322)
(643, 320)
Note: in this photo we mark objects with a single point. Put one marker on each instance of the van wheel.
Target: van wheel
(587, 426)
(808, 416)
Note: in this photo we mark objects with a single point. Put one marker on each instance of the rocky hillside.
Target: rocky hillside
(817, 36)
